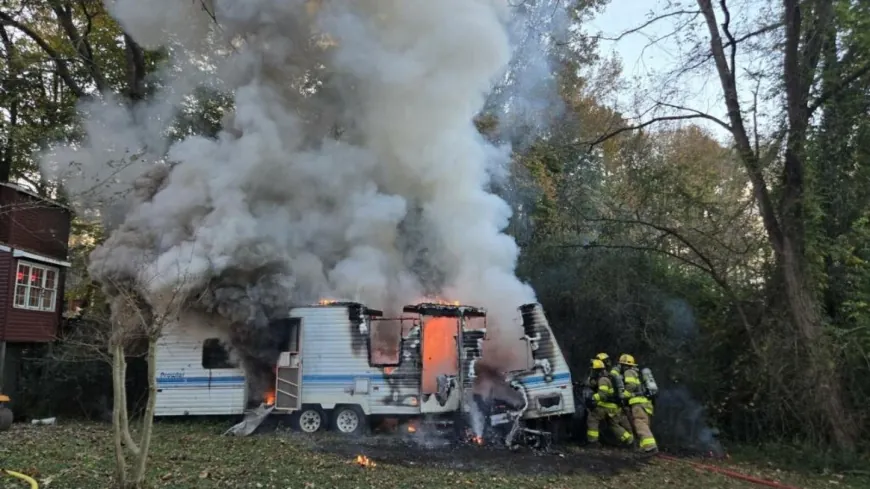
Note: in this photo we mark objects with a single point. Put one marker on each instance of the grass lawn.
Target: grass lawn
(188, 455)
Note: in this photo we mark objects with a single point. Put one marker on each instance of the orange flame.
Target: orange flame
(364, 461)
(438, 300)
(326, 302)
(477, 440)
(439, 351)
(269, 398)
(412, 428)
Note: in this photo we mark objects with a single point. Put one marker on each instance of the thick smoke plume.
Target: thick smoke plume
(350, 167)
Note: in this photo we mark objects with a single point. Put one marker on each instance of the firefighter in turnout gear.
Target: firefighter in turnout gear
(603, 406)
(604, 357)
(618, 389)
(638, 391)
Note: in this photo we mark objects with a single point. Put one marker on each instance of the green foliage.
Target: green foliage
(648, 241)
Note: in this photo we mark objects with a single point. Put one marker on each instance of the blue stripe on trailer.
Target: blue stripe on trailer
(204, 381)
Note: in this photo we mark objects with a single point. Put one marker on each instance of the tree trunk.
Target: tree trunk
(148, 421)
(820, 368)
(785, 231)
(118, 387)
(10, 84)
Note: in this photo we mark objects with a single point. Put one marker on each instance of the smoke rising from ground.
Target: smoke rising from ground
(350, 167)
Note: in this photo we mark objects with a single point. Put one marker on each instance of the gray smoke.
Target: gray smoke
(681, 423)
(350, 167)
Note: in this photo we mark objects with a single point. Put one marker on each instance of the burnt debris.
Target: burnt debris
(445, 310)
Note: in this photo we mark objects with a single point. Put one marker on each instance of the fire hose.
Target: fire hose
(730, 473)
(24, 477)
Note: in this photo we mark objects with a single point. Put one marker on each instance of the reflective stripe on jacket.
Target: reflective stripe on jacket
(635, 392)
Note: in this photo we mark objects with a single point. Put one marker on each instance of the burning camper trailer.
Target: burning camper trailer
(343, 363)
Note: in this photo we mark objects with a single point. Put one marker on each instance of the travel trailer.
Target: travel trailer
(342, 363)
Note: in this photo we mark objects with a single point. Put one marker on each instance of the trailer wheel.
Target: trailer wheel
(5, 418)
(348, 420)
(309, 419)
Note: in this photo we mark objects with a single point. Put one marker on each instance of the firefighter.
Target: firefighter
(639, 404)
(619, 390)
(603, 406)
(604, 357)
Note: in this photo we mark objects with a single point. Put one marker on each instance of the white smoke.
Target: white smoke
(349, 168)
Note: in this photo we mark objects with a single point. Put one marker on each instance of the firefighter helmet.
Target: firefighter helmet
(597, 364)
(626, 359)
(603, 357)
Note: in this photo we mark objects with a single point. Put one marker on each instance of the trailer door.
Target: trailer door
(288, 378)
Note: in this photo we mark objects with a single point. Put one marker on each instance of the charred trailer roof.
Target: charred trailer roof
(354, 308)
(445, 310)
(532, 314)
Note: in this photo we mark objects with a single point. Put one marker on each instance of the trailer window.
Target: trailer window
(215, 356)
(385, 343)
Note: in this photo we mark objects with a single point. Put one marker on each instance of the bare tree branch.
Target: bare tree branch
(839, 86)
(648, 23)
(62, 67)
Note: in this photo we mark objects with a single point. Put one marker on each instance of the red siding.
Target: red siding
(5, 293)
(27, 325)
(35, 225)
(31, 224)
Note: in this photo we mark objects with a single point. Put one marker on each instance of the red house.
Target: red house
(34, 235)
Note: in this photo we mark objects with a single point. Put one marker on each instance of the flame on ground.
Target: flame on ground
(364, 461)
(472, 438)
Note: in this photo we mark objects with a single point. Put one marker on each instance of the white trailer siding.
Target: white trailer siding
(335, 362)
(539, 385)
(184, 387)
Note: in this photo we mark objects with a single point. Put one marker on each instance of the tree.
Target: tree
(130, 329)
(776, 166)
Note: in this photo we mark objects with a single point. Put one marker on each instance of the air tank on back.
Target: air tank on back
(649, 381)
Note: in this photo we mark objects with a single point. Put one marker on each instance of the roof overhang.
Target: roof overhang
(37, 257)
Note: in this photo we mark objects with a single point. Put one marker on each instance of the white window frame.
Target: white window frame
(29, 288)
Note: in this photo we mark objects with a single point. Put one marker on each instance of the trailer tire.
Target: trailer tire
(309, 419)
(5, 418)
(349, 420)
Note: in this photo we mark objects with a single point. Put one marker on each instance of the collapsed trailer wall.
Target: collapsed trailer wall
(549, 385)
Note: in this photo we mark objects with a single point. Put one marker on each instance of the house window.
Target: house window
(214, 355)
(36, 287)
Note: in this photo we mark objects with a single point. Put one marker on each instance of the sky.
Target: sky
(641, 60)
